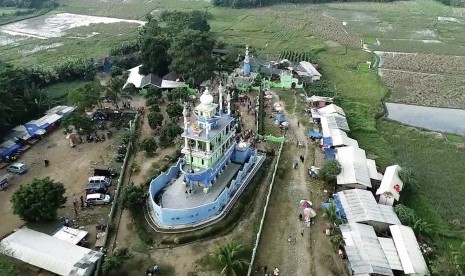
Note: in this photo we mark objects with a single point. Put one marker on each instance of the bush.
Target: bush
(155, 119)
(39, 200)
(406, 215)
(115, 261)
(149, 145)
(330, 170)
(168, 134)
(174, 110)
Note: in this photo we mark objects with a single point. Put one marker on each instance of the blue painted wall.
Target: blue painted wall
(193, 215)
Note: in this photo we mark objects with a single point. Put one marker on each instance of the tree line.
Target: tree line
(260, 3)
(21, 89)
(29, 4)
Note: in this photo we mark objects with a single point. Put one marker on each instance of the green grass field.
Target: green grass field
(58, 93)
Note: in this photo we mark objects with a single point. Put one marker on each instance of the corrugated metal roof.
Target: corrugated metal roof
(360, 206)
(70, 235)
(364, 250)
(372, 171)
(390, 179)
(331, 109)
(409, 251)
(49, 253)
(335, 121)
(340, 138)
(309, 68)
(354, 167)
(390, 251)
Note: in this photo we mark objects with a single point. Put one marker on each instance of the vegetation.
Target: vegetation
(115, 261)
(174, 110)
(134, 198)
(86, 96)
(149, 145)
(298, 56)
(330, 170)
(181, 42)
(331, 214)
(7, 267)
(229, 257)
(406, 215)
(39, 200)
(169, 133)
(155, 119)
(80, 122)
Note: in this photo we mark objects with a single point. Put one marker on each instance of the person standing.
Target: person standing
(302, 231)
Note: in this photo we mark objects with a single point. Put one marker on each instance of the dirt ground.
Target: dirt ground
(70, 166)
(309, 251)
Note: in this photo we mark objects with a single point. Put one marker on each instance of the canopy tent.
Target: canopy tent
(315, 98)
(33, 129)
(8, 147)
(70, 235)
(281, 118)
(314, 134)
(339, 138)
(19, 132)
(372, 171)
(331, 110)
(360, 206)
(49, 253)
(364, 251)
(391, 182)
(409, 251)
(354, 171)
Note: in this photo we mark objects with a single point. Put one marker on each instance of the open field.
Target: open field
(438, 169)
(424, 89)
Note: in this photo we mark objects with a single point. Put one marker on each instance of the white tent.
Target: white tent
(354, 172)
(372, 171)
(315, 98)
(49, 253)
(409, 251)
(360, 206)
(391, 185)
(310, 70)
(134, 77)
(331, 109)
(70, 235)
(340, 138)
(364, 251)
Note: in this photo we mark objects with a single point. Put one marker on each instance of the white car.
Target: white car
(18, 168)
(98, 199)
(100, 180)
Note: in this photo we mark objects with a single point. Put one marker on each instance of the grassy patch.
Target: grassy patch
(369, 40)
(455, 138)
(360, 94)
(58, 93)
(438, 169)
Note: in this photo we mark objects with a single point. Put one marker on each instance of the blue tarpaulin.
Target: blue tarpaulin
(330, 154)
(315, 134)
(7, 148)
(327, 141)
(339, 210)
(281, 117)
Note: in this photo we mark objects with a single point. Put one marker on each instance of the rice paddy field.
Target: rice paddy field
(420, 47)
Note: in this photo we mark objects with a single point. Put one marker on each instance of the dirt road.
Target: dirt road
(286, 241)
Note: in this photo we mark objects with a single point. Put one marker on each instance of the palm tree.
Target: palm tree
(331, 215)
(114, 88)
(228, 256)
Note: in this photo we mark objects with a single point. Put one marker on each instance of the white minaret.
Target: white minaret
(228, 99)
(185, 114)
(220, 91)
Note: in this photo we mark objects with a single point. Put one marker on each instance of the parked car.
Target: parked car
(100, 180)
(97, 199)
(104, 171)
(96, 188)
(5, 181)
(18, 168)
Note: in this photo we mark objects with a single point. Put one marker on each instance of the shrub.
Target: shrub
(330, 170)
(149, 145)
(406, 215)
